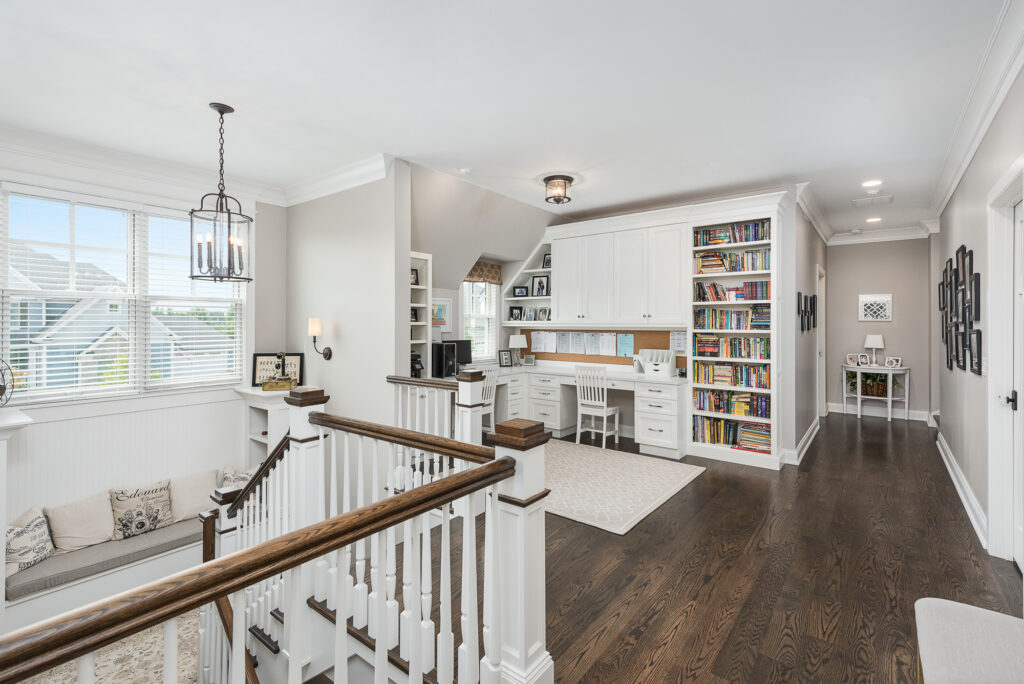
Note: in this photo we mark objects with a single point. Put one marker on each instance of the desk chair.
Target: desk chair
(487, 398)
(592, 400)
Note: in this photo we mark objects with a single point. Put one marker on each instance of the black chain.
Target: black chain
(221, 184)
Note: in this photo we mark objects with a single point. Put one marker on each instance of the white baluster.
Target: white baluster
(361, 594)
(427, 638)
(238, 638)
(379, 606)
(445, 637)
(342, 589)
(469, 652)
(377, 593)
(293, 625)
(390, 578)
(346, 506)
(85, 669)
(408, 598)
(171, 651)
(490, 666)
(415, 645)
(321, 506)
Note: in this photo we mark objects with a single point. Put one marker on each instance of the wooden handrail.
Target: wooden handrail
(473, 453)
(433, 383)
(261, 474)
(47, 644)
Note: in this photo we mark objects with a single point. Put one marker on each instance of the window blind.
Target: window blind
(480, 318)
(97, 300)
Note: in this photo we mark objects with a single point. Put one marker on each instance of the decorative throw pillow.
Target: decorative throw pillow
(236, 479)
(28, 541)
(81, 523)
(190, 495)
(138, 510)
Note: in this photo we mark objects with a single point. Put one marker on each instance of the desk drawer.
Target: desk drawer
(515, 409)
(655, 391)
(668, 407)
(515, 392)
(657, 430)
(544, 392)
(547, 412)
(544, 381)
(627, 385)
(515, 380)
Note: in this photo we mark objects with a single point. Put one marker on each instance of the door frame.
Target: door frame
(821, 343)
(997, 357)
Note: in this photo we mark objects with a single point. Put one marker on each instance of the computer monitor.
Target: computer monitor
(463, 351)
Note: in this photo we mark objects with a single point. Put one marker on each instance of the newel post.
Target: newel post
(522, 618)
(306, 455)
(11, 420)
(469, 425)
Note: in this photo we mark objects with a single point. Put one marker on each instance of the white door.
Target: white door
(597, 282)
(1018, 385)
(630, 296)
(565, 280)
(665, 275)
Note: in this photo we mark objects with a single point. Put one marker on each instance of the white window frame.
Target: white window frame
(495, 318)
(137, 298)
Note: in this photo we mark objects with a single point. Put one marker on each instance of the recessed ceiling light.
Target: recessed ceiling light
(464, 171)
(873, 219)
(871, 184)
(856, 231)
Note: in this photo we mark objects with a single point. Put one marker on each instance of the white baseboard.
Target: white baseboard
(876, 411)
(794, 456)
(971, 505)
(932, 419)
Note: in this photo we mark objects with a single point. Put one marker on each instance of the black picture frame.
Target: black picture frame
(515, 313)
(520, 291)
(961, 265)
(975, 297)
(968, 266)
(799, 302)
(541, 286)
(950, 347)
(546, 263)
(814, 311)
(257, 381)
(414, 276)
(414, 315)
(961, 349)
(505, 358)
(803, 321)
(942, 296)
(975, 348)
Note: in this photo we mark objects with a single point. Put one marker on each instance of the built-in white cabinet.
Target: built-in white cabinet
(581, 288)
(648, 276)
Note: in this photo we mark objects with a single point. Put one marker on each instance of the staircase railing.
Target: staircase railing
(425, 404)
(77, 634)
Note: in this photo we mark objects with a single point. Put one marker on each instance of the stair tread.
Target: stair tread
(265, 639)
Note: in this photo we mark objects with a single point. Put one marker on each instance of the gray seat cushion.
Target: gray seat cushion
(961, 643)
(68, 567)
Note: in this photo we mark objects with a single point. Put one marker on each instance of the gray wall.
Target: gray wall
(810, 253)
(458, 223)
(900, 268)
(963, 395)
(348, 261)
(270, 282)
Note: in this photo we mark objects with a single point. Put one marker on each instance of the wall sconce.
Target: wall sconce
(315, 331)
(556, 189)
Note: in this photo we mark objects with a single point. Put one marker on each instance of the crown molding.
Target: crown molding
(916, 232)
(353, 175)
(805, 200)
(999, 68)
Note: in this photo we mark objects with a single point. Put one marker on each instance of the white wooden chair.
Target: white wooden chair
(487, 398)
(592, 400)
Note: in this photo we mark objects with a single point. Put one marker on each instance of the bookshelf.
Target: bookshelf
(733, 328)
(419, 303)
(536, 310)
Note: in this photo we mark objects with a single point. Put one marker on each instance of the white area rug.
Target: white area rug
(612, 490)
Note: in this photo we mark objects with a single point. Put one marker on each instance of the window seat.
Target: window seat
(961, 643)
(68, 567)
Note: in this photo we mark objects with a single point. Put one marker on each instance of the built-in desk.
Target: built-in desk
(547, 393)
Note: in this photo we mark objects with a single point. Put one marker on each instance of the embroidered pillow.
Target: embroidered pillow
(138, 510)
(237, 479)
(28, 541)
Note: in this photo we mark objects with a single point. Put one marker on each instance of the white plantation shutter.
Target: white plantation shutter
(480, 318)
(97, 300)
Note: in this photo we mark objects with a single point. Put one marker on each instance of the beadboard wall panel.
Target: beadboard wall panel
(65, 456)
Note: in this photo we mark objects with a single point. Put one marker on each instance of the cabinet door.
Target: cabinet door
(665, 275)
(629, 301)
(597, 284)
(565, 280)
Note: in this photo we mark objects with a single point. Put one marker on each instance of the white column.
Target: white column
(520, 519)
(11, 420)
(468, 404)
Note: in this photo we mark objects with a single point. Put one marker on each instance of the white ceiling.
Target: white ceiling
(646, 102)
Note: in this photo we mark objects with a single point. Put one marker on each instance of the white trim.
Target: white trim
(795, 456)
(353, 175)
(876, 411)
(999, 67)
(151, 400)
(933, 419)
(805, 199)
(922, 230)
(971, 505)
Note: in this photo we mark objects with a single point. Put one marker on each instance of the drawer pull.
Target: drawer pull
(651, 389)
(656, 406)
(655, 430)
(546, 415)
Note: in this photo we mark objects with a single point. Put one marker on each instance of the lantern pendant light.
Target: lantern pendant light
(556, 189)
(220, 232)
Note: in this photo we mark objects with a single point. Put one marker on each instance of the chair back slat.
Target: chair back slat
(592, 385)
(490, 384)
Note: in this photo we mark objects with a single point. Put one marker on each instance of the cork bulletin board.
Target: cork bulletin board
(642, 339)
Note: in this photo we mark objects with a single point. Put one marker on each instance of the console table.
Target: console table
(891, 373)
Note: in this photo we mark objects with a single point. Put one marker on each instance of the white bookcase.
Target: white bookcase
(419, 301)
(747, 350)
(533, 266)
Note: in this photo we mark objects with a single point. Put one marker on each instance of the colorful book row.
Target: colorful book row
(754, 376)
(757, 318)
(732, 347)
(732, 262)
(733, 403)
(716, 292)
(732, 233)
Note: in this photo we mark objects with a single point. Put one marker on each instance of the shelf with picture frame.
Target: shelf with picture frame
(420, 301)
(526, 297)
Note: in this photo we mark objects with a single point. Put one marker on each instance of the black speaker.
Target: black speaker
(444, 360)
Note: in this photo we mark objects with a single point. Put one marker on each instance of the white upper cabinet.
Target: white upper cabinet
(581, 285)
(630, 295)
(599, 251)
(566, 280)
(665, 266)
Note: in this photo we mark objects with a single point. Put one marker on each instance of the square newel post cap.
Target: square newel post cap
(470, 376)
(306, 396)
(518, 434)
(524, 441)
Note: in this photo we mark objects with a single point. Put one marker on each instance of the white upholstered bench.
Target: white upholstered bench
(959, 643)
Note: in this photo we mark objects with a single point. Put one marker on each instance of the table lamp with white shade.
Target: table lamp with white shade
(874, 343)
(515, 343)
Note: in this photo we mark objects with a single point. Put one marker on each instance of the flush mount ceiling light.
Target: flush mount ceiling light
(873, 219)
(871, 184)
(464, 171)
(556, 189)
(220, 231)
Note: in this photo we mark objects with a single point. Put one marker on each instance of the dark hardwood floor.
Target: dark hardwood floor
(749, 575)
